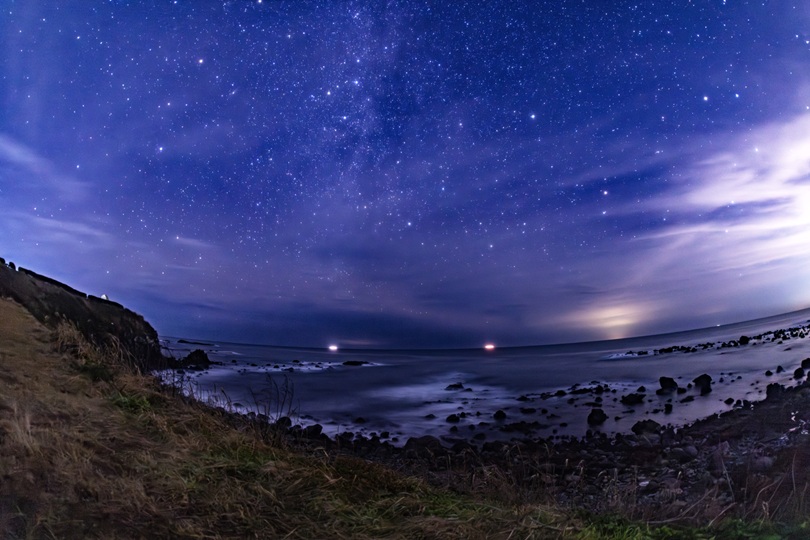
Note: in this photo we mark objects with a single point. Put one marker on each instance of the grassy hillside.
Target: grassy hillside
(89, 448)
(92, 451)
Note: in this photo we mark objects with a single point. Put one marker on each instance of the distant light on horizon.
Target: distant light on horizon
(343, 200)
(613, 321)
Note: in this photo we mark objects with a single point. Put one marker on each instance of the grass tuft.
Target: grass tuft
(92, 448)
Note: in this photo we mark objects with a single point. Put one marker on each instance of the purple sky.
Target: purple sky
(416, 175)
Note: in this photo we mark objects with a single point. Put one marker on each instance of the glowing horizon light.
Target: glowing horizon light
(489, 347)
(333, 348)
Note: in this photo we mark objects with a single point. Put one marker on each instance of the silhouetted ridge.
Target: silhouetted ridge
(52, 281)
(51, 302)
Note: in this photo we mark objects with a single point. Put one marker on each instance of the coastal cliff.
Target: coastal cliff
(52, 302)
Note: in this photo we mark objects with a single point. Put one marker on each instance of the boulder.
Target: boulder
(196, 360)
(426, 445)
(355, 363)
(806, 363)
(668, 384)
(633, 399)
(774, 390)
(681, 455)
(762, 463)
(597, 417)
(646, 426)
(703, 383)
(798, 374)
(499, 415)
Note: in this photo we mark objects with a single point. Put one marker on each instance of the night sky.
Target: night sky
(412, 173)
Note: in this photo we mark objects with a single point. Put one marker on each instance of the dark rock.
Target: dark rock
(426, 445)
(453, 419)
(768, 373)
(359, 420)
(455, 386)
(196, 360)
(284, 422)
(762, 463)
(744, 340)
(668, 384)
(688, 399)
(780, 369)
(633, 399)
(313, 432)
(774, 390)
(680, 455)
(355, 363)
(189, 342)
(729, 401)
(703, 383)
(523, 427)
(462, 446)
(597, 417)
(806, 363)
(499, 415)
(799, 373)
(668, 408)
(646, 426)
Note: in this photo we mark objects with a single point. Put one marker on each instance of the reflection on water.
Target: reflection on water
(411, 392)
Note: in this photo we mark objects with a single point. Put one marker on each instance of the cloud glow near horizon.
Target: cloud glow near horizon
(412, 176)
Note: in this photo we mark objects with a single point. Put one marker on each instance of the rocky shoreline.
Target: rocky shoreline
(459, 410)
(750, 461)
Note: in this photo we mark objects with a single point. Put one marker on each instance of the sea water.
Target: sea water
(549, 390)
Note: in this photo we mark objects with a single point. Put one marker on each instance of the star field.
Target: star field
(412, 174)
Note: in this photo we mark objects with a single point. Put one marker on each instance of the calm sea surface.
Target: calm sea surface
(406, 393)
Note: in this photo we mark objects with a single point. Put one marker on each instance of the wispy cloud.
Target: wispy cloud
(39, 170)
(62, 234)
(739, 222)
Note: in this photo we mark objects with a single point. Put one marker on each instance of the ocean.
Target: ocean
(545, 391)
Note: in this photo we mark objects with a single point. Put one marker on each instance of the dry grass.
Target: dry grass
(90, 449)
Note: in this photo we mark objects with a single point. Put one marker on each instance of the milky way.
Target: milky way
(412, 174)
